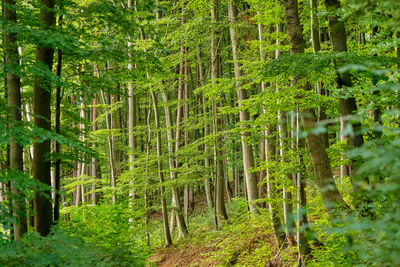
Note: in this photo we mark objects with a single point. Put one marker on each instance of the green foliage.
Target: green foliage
(246, 240)
(115, 229)
(57, 249)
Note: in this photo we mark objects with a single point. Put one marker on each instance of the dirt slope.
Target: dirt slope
(187, 256)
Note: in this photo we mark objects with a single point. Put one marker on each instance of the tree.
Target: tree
(14, 104)
(330, 194)
(41, 110)
(347, 105)
(247, 150)
(220, 210)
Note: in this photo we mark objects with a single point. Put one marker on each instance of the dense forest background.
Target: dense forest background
(244, 132)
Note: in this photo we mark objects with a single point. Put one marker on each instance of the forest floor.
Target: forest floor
(189, 255)
(244, 241)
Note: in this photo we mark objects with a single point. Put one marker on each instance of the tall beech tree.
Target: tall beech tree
(41, 109)
(247, 150)
(220, 209)
(330, 194)
(14, 104)
(347, 104)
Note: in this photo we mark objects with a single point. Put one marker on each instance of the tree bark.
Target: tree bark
(14, 104)
(94, 160)
(57, 167)
(287, 194)
(131, 119)
(302, 222)
(167, 234)
(110, 138)
(330, 194)
(247, 150)
(207, 182)
(347, 106)
(41, 109)
(176, 203)
(220, 210)
(316, 44)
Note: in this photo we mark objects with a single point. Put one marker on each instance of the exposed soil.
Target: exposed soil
(188, 256)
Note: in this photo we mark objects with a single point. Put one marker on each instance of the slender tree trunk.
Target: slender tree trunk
(186, 132)
(315, 26)
(131, 119)
(287, 195)
(344, 168)
(177, 207)
(271, 190)
(167, 235)
(302, 222)
(14, 103)
(247, 150)
(316, 44)
(207, 182)
(82, 165)
(270, 155)
(146, 190)
(226, 178)
(110, 138)
(263, 151)
(41, 109)
(94, 160)
(207, 179)
(177, 145)
(283, 144)
(220, 210)
(57, 167)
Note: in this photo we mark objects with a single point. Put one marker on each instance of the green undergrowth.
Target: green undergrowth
(101, 235)
(248, 240)
(58, 249)
(116, 229)
(244, 240)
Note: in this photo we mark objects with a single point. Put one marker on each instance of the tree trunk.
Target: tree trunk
(94, 160)
(41, 109)
(57, 167)
(110, 138)
(82, 172)
(177, 145)
(302, 222)
(167, 234)
(287, 195)
(330, 194)
(316, 44)
(207, 182)
(344, 168)
(177, 207)
(347, 106)
(220, 210)
(14, 103)
(186, 118)
(131, 119)
(269, 150)
(247, 150)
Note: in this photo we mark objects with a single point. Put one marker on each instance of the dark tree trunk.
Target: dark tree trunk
(41, 109)
(321, 162)
(57, 129)
(347, 106)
